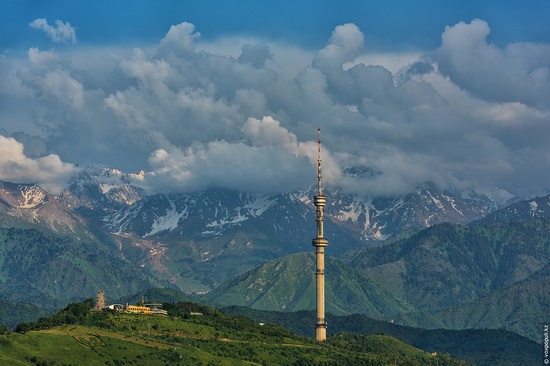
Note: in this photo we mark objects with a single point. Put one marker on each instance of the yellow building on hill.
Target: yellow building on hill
(149, 309)
(143, 308)
(138, 309)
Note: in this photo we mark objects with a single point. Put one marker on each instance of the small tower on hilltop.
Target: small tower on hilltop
(320, 242)
(100, 301)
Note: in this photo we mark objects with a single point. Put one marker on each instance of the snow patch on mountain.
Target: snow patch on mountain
(210, 212)
(105, 188)
(169, 221)
(435, 200)
(258, 205)
(353, 211)
(533, 208)
(453, 203)
(252, 206)
(33, 196)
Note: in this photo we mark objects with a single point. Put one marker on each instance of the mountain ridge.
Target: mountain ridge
(444, 276)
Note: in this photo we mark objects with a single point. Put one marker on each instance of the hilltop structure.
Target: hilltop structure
(100, 301)
(320, 242)
(142, 308)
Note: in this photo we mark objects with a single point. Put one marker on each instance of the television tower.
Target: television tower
(320, 243)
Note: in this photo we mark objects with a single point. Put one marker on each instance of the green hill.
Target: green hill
(447, 276)
(488, 276)
(483, 347)
(51, 270)
(522, 308)
(13, 313)
(77, 337)
(447, 264)
(288, 284)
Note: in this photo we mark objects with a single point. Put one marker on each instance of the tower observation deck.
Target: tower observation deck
(320, 242)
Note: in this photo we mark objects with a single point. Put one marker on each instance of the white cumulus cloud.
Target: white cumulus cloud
(243, 113)
(518, 72)
(272, 160)
(61, 32)
(48, 171)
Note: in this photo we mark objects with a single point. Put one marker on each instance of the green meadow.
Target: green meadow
(75, 336)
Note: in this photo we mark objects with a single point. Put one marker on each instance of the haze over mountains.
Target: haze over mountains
(102, 232)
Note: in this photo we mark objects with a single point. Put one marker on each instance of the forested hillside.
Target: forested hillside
(80, 337)
(481, 347)
(287, 284)
(452, 276)
(448, 266)
(50, 270)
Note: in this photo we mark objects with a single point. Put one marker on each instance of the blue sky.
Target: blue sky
(230, 94)
(388, 24)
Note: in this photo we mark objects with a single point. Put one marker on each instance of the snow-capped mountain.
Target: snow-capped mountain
(535, 208)
(212, 212)
(209, 212)
(99, 191)
(382, 218)
(22, 195)
(29, 205)
(215, 234)
(203, 238)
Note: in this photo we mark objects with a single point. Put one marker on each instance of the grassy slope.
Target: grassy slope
(214, 338)
(79, 345)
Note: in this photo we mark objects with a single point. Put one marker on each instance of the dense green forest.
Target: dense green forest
(479, 346)
(479, 276)
(51, 270)
(287, 284)
(447, 276)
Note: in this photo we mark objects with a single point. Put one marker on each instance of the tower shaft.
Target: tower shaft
(320, 242)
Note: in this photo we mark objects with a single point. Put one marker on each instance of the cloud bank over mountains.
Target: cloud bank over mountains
(469, 114)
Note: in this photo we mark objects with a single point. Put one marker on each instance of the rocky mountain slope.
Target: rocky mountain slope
(383, 218)
(216, 211)
(99, 191)
(198, 240)
(532, 209)
(28, 205)
(50, 253)
(209, 236)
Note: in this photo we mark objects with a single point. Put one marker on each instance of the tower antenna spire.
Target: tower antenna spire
(320, 242)
(319, 177)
